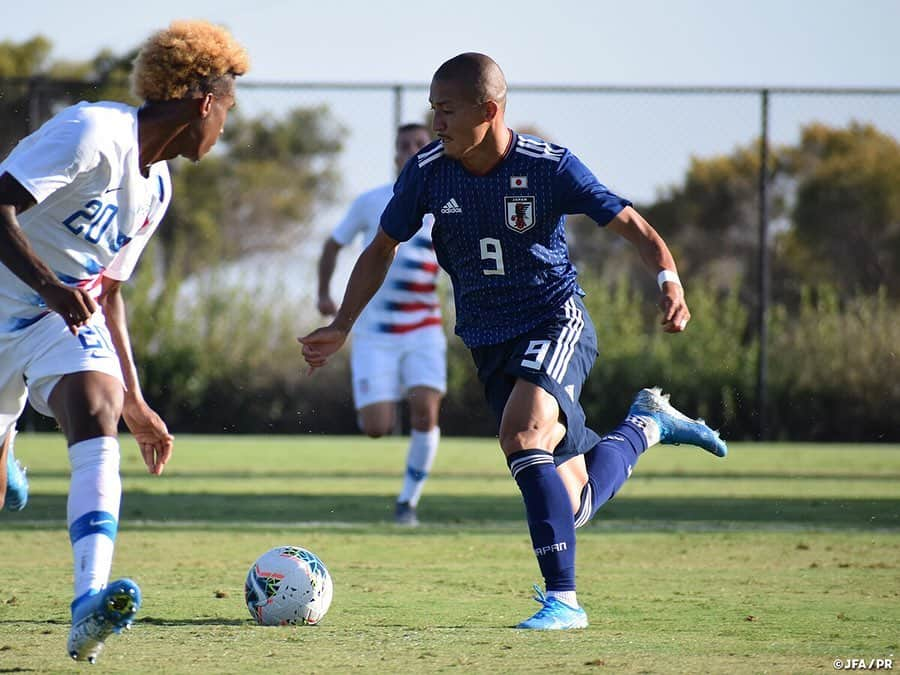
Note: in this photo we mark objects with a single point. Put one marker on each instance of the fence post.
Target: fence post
(398, 107)
(762, 398)
(33, 119)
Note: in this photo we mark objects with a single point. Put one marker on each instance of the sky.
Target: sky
(637, 144)
(651, 42)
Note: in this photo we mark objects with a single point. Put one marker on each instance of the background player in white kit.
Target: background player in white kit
(398, 342)
(79, 199)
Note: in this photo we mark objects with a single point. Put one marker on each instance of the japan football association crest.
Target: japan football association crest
(519, 213)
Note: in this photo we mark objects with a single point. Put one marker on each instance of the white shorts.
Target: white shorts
(385, 367)
(34, 359)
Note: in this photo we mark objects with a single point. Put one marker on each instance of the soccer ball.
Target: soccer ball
(288, 585)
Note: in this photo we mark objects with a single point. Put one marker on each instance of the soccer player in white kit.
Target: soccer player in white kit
(399, 345)
(79, 199)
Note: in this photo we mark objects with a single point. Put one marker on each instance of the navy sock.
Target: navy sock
(609, 464)
(549, 514)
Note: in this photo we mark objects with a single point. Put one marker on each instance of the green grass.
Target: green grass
(779, 558)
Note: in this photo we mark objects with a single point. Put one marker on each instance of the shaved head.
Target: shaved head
(479, 76)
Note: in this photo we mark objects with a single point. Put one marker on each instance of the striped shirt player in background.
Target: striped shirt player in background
(79, 199)
(500, 200)
(398, 342)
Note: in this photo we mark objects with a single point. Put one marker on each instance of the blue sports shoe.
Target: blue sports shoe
(16, 483)
(405, 514)
(675, 427)
(554, 615)
(97, 616)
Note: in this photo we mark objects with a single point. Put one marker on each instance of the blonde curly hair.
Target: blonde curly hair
(186, 59)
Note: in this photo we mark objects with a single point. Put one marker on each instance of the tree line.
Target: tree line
(228, 361)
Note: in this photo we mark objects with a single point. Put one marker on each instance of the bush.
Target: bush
(835, 371)
(229, 361)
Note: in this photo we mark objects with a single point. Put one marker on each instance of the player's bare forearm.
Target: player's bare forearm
(117, 322)
(656, 257)
(148, 428)
(651, 247)
(365, 279)
(17, 254)
(15, 250)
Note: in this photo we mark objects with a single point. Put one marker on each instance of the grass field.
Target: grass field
(780, 558)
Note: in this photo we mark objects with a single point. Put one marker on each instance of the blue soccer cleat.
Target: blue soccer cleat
(675, 427)
(405, 515)
(97, 616)
(16, 483)
(554, 615)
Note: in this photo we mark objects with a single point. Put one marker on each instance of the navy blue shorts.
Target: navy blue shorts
(557, 356)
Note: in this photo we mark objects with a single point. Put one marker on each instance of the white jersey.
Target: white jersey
(407, 300)
(95, 211)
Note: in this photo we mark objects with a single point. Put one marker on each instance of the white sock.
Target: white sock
(648, 425)
(423, 446)
(568, 597)
(93, 510)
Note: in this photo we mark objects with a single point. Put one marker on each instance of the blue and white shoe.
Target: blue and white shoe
(16, 483)
(97, 616)
(676, 427)
(405, 514)
(554, 615)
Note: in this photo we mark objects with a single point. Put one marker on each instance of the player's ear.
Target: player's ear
(206, 104)
(490, 110)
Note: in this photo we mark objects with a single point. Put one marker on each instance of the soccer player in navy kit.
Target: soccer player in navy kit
(499, 200)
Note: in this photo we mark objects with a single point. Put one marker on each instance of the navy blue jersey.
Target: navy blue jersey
(501, 236)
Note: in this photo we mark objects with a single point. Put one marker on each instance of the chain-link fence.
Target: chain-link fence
(640, 141)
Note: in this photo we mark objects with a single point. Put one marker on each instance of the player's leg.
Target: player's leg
(376, 385)
(603, 469)
(529, 430)
(377, 419)
(424, 436)
(87, 405)
(591, 468)
(573, 473)
(423, 372)
(13, 483)
(78, 381)
(533, 383)
(651, 420)
(4, 450)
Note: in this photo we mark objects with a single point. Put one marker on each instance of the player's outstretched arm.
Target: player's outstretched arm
(657, 258)
(147, 427)
(365, 279)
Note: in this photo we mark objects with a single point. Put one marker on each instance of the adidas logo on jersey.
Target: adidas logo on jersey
(451, 207)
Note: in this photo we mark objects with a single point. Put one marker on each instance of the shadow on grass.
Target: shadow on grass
(156, 621)
(457, 476)
(205, 621)
(213, 510)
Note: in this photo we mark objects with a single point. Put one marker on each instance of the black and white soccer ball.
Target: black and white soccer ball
(288, 585)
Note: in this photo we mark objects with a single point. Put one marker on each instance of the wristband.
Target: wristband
(667, 275)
